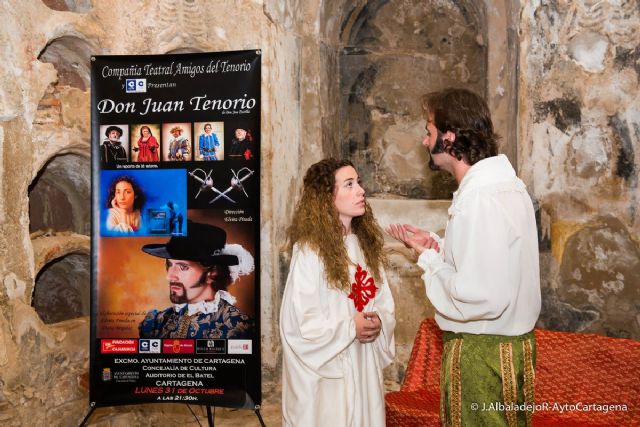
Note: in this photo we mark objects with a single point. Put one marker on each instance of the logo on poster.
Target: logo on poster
(177, 346)
(211, 346)
(106, 374)
(149, 346)
(239, 346)
(136, 85)
(119, 346)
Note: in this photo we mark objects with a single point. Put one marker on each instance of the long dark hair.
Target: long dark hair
(316, 223)
(139, 200)
(148, 128)
(467, 115)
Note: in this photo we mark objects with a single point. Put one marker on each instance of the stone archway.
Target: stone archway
(62, 289)
(58, 196)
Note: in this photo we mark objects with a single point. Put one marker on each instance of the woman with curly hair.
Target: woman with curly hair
(337, 314)
(148, 146)
(124, 202)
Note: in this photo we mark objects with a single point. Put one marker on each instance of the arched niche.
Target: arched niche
(184, 50)
(392, 52)
(70, 55)
(62, 290)
(59, 196)
(69, 5)
(355, 66)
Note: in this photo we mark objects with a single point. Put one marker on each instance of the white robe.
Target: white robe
(329, 377)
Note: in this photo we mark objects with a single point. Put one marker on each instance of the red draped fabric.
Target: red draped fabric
(580, 371)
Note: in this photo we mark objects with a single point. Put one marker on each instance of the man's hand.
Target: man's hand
(412, 237)
(368, 326)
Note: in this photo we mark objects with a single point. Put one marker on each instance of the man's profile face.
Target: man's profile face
(433, 143)
(114, 136)
(189, 281)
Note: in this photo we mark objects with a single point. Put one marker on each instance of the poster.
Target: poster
(175, 229)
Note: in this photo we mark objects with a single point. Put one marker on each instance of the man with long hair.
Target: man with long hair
(200, 266)
(483, 279)
(337, 314)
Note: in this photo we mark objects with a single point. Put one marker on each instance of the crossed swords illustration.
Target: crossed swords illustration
(236, 183)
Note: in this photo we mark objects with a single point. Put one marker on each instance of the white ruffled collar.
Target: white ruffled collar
(207, 307)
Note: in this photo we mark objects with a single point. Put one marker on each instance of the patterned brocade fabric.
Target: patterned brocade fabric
(418, 401)
(226, 322)
(579, 380)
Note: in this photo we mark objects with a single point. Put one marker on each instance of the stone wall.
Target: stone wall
(381, 118)
(579, 118)
(45, 185)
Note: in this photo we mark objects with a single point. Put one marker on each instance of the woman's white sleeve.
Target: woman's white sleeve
(314, 337)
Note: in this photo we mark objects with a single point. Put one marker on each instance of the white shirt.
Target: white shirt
(329, 377)
(486, 280)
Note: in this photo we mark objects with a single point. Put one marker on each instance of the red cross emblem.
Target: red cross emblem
(363, 289)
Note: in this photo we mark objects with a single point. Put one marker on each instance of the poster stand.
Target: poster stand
(177, 138)
(210, 417)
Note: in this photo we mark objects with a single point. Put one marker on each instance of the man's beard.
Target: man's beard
(182, 298)
(439, 148)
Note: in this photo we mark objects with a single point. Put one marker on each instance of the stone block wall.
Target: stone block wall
(579, 136)
(45, 181)
(560, 76)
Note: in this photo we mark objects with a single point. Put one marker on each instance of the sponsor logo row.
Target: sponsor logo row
(175, 346)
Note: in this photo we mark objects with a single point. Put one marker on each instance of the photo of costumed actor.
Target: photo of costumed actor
(200, 267)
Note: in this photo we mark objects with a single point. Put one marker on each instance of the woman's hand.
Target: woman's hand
(368, 326)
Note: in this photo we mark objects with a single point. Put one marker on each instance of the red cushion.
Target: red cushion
(572, 369)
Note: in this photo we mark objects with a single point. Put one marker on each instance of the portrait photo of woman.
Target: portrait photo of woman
(124, 203)
(147, 148)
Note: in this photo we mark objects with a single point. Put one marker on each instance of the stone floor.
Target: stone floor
(166, 414)
(271, 415)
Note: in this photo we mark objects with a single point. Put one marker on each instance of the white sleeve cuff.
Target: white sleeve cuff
(428, 257)
(438, 239)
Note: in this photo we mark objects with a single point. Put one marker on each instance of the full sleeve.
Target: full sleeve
(473, 283)
(384, 305)
(315, 335)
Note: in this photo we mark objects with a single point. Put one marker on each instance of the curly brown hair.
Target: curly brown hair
(317, 225)
(137, 191)
(467, 115)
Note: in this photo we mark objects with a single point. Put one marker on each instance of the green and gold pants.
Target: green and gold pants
(487, 380)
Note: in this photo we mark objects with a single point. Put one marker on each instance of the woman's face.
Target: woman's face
(348, 194)
(124, 196)
(145, 132)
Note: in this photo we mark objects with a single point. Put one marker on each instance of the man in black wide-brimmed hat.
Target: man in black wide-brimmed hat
(111, 150)
(199, 270)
